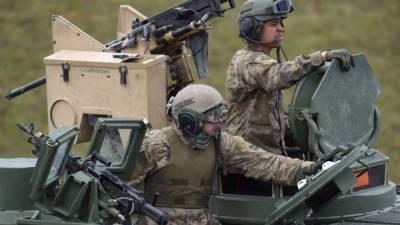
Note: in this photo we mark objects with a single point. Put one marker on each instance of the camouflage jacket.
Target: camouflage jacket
(255, 110)
(237, 156)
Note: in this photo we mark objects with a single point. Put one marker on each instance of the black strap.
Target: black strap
(218, 163)
(217, 144)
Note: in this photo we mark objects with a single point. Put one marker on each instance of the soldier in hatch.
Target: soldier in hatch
(180, 161)
(254, 80)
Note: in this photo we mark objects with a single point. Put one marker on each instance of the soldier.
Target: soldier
(254, 80)
(180, 161)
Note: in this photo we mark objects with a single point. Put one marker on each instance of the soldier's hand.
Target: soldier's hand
(314, 168)
(344, 56)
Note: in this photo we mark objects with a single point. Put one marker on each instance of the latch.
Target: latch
(313, 130)
(65, 68)
(123, 71)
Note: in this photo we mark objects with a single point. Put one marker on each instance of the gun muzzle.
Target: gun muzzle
(29, 86)
(157, 215)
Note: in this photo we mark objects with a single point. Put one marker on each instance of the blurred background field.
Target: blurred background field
(361, 26)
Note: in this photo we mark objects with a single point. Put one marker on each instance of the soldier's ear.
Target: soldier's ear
(250, 29)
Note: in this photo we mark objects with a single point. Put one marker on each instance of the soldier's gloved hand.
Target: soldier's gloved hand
(344, 56)
(313, 169)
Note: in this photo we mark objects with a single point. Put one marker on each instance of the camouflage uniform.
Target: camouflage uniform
(255, 109)
(237, 156)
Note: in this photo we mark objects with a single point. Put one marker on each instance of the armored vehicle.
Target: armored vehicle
(88, 82)
(94, 90)
(337, 126)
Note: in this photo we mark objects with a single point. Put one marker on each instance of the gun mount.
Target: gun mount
(131, 76)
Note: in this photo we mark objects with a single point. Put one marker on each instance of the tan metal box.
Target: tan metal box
(82, 85)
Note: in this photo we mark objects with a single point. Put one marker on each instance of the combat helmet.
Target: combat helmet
(254, 12)
(192, 107)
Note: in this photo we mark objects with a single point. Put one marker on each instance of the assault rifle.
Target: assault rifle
(126, 199)
(184, 22)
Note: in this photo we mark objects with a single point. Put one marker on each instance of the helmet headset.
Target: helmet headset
(254, 13)
(193, 106)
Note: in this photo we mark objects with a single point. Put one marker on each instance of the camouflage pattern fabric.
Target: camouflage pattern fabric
(255, 109)
(184, 216)
(237, 156)
(240, 156)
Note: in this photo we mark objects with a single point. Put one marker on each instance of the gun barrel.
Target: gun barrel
(29, 86)
(159, 216)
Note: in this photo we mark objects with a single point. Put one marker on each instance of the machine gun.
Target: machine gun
(166, 70)
(186, 21)
(122, 201)
(165, 34)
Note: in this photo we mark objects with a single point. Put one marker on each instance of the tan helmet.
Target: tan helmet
(194, 105)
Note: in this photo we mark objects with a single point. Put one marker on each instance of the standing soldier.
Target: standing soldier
(254, 80)
(180, 161)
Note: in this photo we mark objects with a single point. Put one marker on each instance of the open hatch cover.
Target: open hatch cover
(336, 108)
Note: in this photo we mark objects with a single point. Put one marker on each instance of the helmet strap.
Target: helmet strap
(280, 50)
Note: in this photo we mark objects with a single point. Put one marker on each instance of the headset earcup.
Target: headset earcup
(249, 29)
(188, 123)
(245, 27)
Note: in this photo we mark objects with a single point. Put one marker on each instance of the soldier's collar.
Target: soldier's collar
(255, 48)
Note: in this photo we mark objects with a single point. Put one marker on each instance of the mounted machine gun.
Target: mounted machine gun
(131, 76)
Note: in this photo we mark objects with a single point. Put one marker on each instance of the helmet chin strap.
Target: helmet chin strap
(273, 42)
(278, 54)
(279, 50)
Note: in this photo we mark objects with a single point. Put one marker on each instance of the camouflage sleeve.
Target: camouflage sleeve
(153, 155)
(262, 71)
(239, 156)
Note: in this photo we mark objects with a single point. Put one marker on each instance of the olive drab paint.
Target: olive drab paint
(138, 84)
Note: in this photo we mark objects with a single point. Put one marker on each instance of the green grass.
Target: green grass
(362, 26)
